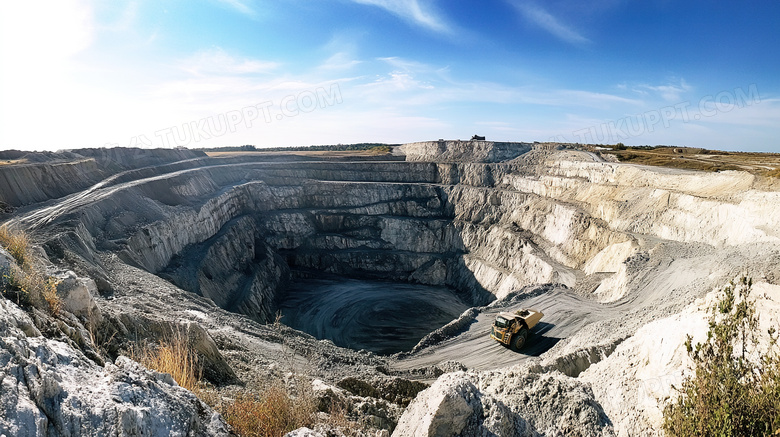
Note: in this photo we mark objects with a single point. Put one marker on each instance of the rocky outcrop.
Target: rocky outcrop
(52, 389)
(117, 159)
(463, 151)
(78, 296)
(518, 402)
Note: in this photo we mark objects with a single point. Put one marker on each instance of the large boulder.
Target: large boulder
(512, 402)
(78, 295)
(444, 409)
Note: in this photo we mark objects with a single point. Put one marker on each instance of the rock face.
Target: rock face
(39, 182)
(234, 268)
(463, 151)
(483, 228)
(48, 177)
(51, 389)
(208, 229)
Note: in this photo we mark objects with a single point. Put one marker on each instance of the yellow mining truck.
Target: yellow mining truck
(511, 329)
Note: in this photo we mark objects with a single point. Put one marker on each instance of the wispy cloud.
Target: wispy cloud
(340, 61)
(341, 51)
(670, 92)
(242, 6)
(409, 65)
(217, 60)
(419, 12)
(415, 84)
(540, 17)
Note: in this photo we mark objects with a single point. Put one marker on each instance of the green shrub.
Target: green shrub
(730, 393)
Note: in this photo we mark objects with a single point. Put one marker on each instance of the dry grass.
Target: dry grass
(12, 161)
(27, 283)
(16, 242)
(47, 287)
(772, 173)
(664, 158)
(273, 412)
(762, 164)
(173, 356)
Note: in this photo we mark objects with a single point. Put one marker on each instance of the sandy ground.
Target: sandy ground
(565, 313)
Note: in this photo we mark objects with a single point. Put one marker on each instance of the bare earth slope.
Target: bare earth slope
(605, 250)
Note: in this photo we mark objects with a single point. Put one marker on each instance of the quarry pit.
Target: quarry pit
(393, 268)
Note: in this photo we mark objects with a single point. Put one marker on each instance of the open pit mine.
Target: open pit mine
(375, 281)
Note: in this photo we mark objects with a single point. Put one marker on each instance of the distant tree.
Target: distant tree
(732, 393)
(620, 146)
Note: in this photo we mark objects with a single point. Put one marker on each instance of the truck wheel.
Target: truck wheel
(519, 339)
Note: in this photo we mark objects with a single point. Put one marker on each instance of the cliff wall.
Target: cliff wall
(463, 151)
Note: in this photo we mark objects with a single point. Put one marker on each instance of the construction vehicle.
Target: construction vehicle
(511, 329)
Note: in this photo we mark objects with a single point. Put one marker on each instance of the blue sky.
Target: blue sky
(198, 73)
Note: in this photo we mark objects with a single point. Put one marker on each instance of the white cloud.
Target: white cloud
(416, 84)
(241, 6)
(763, 113)
(419, 12)
(548, 22)
(340, 61)
(409, 65)
(671, 92)
(218, 61)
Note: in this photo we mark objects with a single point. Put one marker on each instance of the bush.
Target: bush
(26, 283)
(730, 393)
(274, 412)
(17, 243)
(173, 356)
(380, 150)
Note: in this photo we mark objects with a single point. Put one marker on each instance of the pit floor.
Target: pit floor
(382, 317)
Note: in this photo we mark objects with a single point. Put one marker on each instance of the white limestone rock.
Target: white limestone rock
(511, 402)
(47, 388)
